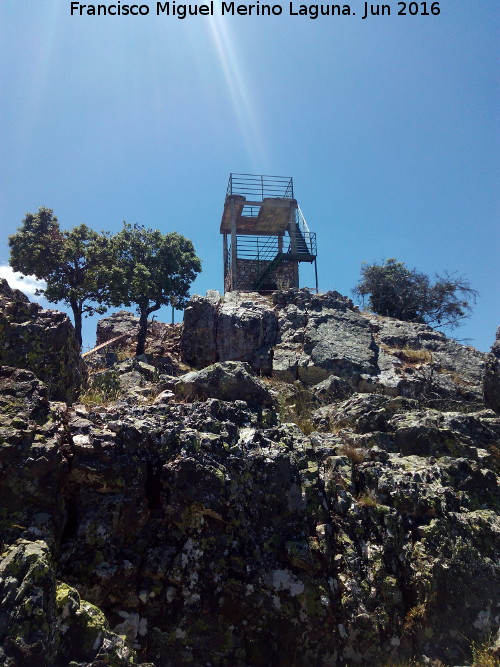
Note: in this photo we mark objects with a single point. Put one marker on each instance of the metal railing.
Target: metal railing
(259, 187)
(265, 248)
(259, 248)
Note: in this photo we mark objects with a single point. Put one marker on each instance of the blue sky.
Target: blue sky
(387, 125)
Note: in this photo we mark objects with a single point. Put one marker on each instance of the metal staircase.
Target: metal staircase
(301, 242)
(269, 270)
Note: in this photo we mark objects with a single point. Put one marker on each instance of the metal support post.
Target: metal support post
(234, 249)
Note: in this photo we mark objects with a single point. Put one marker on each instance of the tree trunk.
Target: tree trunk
(143, 330)
(77, 317)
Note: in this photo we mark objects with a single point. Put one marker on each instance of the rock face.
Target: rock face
(203, 526)
(39, 340)
(492, 376)
(231, 329)
(301, 336)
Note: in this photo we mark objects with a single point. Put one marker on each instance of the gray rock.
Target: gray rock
(228, 381)
(246, 330)
(41, 341)
(238, 327)
(417, 362)
(337, 343)
(330, 390)
(199, 332)
(121, 323)
(491, 386)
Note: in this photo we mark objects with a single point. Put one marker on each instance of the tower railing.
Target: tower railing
(257, 188)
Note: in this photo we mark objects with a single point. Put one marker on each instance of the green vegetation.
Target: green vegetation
(89, 271)
(70, 262)
(394, 290)
(150, 270)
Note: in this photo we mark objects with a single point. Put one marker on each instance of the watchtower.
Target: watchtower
(265, 235)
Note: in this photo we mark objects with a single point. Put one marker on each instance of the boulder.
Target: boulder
(41, 341)
(199, 333)
(319, 336)
(227, 381)
(246, 330)
(122, 323)
(236, 327)
(44, 622)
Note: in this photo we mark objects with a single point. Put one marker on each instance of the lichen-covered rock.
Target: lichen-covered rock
(44, 623)
(297, 335)
(417, 362)
(246, 330)
(41, 341)
(207, 529)
(84, 633)
(492, 376)
(238, 327)
(230, 380)
(204, 526)
(320, 335)
(32, 459)
(27, 619)
(199, 333)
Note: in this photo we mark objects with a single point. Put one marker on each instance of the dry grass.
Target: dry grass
(356, 455)
(413, 356)
(482, 655)
(295, 403)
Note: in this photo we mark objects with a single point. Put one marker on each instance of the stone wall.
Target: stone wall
(249, 270)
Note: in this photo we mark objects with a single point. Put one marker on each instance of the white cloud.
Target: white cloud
(27, 284)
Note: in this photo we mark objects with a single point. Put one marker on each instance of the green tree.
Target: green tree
(150, 270)
(394, 290)
(70, 262)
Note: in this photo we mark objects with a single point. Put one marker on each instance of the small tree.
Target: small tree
(150, 270)
(406, 294)
(69, 262)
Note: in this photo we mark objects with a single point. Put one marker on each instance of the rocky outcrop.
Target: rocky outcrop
(199, 334)
(323, 515)
(211, 531)
(492, 376)
(234, 328)
(42, 341)
(301, 336)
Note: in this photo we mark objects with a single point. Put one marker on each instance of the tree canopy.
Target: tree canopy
(70, 263)
(394, 290)
(150, 269)
(89, 271)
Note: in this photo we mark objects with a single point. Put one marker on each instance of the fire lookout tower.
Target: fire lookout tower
(265, 235)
